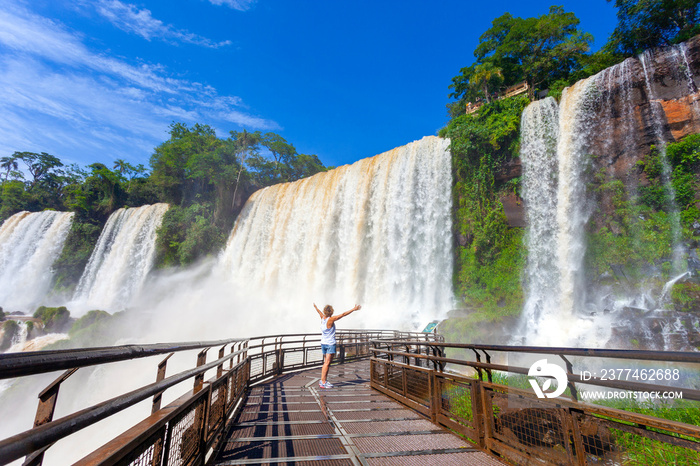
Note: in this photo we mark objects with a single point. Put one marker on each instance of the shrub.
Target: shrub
(55, 319)
(92, 318)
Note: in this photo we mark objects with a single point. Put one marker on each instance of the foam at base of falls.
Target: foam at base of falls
(377, 232)
(36, 344)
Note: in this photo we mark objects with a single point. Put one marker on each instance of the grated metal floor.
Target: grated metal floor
(290, 420)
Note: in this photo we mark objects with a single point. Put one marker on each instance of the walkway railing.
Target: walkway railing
(496, 407)
(189, 429)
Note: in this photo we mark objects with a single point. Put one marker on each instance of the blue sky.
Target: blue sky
(100, 80)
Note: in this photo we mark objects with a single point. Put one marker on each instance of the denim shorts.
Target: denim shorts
(327, 349)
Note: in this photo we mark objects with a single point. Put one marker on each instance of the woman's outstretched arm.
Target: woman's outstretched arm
(333, 319)
(319, 311)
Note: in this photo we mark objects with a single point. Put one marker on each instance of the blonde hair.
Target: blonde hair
(328, 310)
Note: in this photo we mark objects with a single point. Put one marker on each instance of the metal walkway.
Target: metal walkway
(290, 420)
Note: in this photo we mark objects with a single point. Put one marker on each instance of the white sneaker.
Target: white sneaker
(328, 384)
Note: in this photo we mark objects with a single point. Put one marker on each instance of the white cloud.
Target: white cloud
(243, 119)
(22, 31)
(241, 5)
(129, 18)
(58, 95)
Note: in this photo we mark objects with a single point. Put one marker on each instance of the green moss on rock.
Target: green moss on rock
(55, 319)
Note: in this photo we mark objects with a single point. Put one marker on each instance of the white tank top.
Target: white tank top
(327, 334)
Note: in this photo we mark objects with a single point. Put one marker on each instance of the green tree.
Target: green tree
(43, 191)
(171, 164)
(644, 24)
(122, 166)
(305, 165)
(9, 163)
(107, 185)
(486, 79)
(55, 319)
(10, 330)
(245, 145)
(282, 153)
(39, 165)
(13, 198)
(537, 50)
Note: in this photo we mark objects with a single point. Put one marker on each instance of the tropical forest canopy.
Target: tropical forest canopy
(551, 52)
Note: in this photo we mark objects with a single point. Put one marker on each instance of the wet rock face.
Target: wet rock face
(657, 329)
(644, 100)
(509, 170)
(514, 207)
(641, 102)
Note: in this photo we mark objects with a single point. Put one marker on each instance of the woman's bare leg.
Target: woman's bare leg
(326, 365)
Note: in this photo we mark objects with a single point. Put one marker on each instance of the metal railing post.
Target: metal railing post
(478, 359)
(220, 367)
(303, 351)
(477, 394)
(279, 356)
(570, 370)
(44, 414)
(488, 361)
(435, 397)
(158, 397)
(199, 379)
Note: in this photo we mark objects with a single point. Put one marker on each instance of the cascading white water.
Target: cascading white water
(20, 337)
(554, 154)
(377, 232)
(647, 60)
(29, 245)
(620, 128)
(20, 341)
(539, 135)
(682, 52)
(575, 123)
(601, 108)
(122, 258)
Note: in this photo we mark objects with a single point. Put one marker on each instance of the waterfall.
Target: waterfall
(35, 344)
(122, 258)
(20, 338)
(29, 245)
(647, 60)
(603, 123)
(555, 154)
(575, 124)
(682, 52)
(377, 232)
(538, 152)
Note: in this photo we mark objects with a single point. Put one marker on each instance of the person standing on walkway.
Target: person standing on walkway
(328, 338)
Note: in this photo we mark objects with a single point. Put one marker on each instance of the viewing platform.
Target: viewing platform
(291, 420)
(398, 398)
